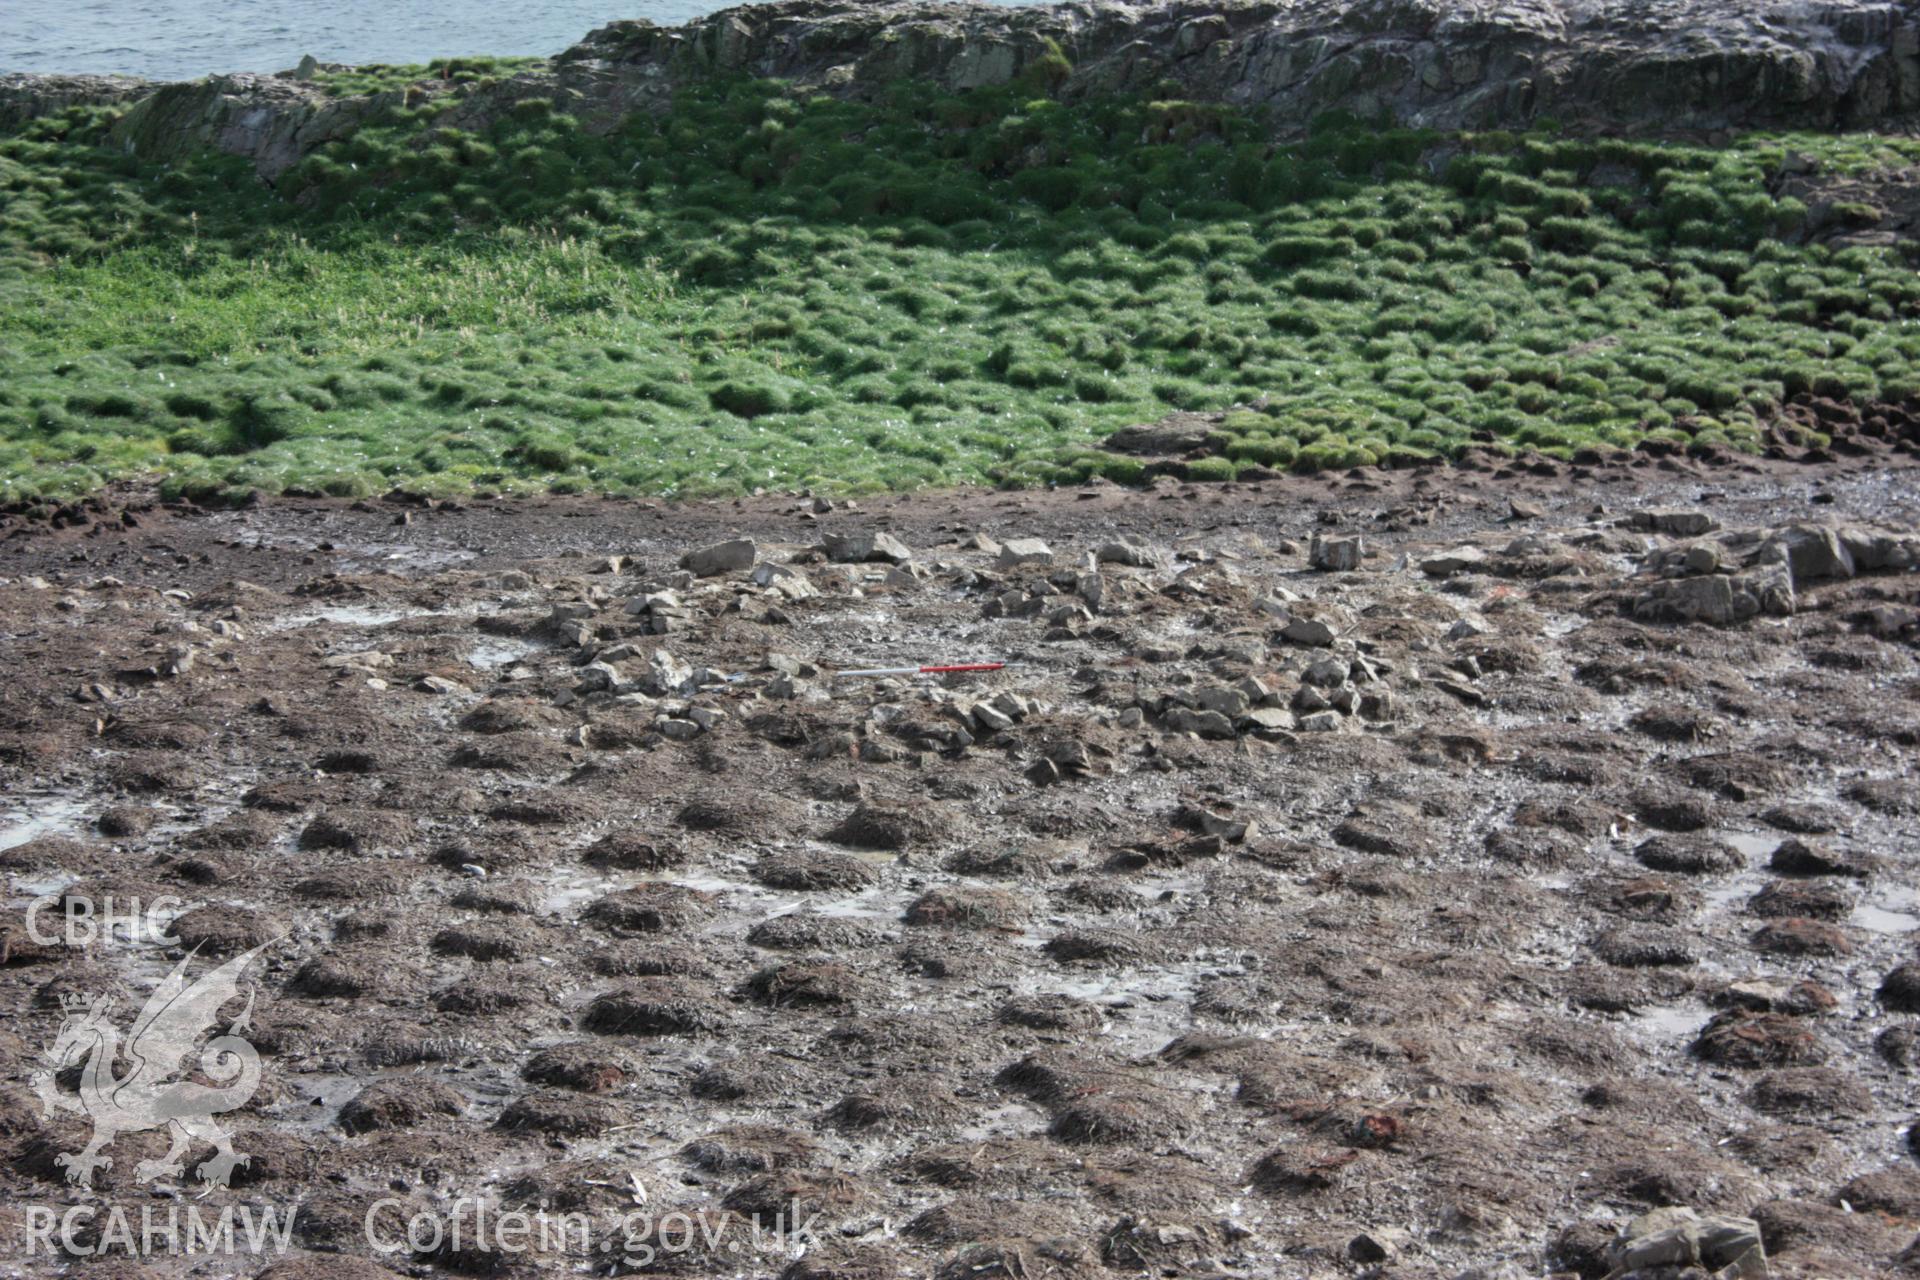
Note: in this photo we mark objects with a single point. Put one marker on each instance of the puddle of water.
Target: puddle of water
(44, 886)
(48, 817)
(1752, 845)
(317, 1097)
(348, 615)
(877, 903)
(1145, 1008)
(1899, 913)
(1880, 920)
(1735, 889)
(1668, 1023)
(492, 653)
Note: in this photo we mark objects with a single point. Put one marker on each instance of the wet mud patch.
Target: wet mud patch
(1402, 898)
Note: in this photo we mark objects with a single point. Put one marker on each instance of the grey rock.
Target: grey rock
(1812, 553)
(1011, 705)
(29, 97)
(1177, 433)
(1233, 828)
(1266, 720)
(722, 557)
(1307, 698)
(597, 677)
(1675, 65)
(1133, 554)
(1702, 557)
(1015, 552)
(981, 542)
(784, 581)
(1335, 555)
(1725, 1244)
(1877, 552)
(1228, 702)
(1321, 722)
(1381, 1244)
(991, 718)
(1308, 631)
(666, 676)
(1680, 524)
(859, 548)
(1325, 672)
(1458, 560)
(1718, 599)
(1208, 724)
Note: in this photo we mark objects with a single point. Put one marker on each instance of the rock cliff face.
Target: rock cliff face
(24, 97)
(1642, 65)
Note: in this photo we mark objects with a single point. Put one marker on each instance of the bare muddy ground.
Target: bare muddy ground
(1555, 862)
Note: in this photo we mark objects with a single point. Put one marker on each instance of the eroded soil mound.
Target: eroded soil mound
(1544, 858)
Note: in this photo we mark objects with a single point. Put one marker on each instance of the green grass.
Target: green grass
(759, 288)
(381, 77)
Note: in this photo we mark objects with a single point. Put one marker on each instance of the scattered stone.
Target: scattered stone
(1132, 554)
(859, 548)
(1016, 552)
(1449, 563)
(1208, 724)
(1307, 631)
(722, 557)
(1678, 524)
(1717, 599)
(784, 581)
(1335, 555)
(1378, 1245)
(666, 676)
(1725, 1245)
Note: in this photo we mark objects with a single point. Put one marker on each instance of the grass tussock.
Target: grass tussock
(764, 288)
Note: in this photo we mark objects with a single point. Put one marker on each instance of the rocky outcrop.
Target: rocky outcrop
(26, 97)
(271, 120)
(1448, 63)
(1646, 65)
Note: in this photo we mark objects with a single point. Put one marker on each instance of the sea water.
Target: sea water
(185, 39)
